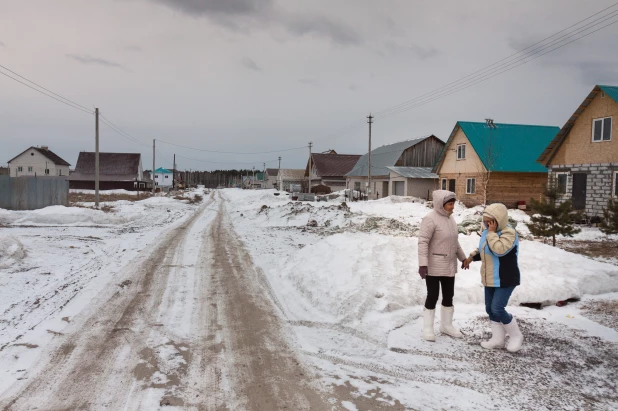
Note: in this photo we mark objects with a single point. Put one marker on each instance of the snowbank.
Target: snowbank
(60, 215)
(12, 251)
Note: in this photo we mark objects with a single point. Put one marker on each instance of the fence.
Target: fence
(31, 193)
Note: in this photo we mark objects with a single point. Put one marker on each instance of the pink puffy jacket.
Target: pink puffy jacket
(438, 243)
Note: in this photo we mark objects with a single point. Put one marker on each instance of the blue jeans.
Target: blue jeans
(496, 299)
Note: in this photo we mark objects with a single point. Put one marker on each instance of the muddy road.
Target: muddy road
(190, 324)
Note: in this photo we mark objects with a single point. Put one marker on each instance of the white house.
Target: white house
(38, 161)
(164, 177)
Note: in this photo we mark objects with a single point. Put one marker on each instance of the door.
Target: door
(398, 188)
(579, 191)
(451, 185)
(385, 189)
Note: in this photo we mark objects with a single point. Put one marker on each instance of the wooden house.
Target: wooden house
(487, 163)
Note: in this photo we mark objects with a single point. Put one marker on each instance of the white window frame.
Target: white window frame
(467, 185)
(464, 151)
(566, 184)
(20, 169)
(47, 171)
(30, 169)
(602, 120)
(444, 184)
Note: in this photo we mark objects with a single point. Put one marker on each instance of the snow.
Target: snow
(353, 295)
(55, 261)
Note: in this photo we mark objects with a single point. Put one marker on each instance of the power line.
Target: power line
(77, 106)
(225, 162)
(49, 91)
(121, 131)
(229, 152)
(504, 65)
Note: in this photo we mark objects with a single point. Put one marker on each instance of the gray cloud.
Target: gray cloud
(209, 7)
(243, 14)
(422, 53)
(308, 81)
(250, 64)
(2, 44)
(136, 49)
(596, 72)
(86, 59)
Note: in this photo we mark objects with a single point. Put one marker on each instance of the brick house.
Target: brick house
(583, 156)
(484, 164)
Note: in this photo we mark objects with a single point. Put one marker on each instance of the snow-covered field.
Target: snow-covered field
(55, 260)
(350, 289)
(344, 278)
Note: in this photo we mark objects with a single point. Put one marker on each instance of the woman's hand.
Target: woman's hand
(422, 271)
(466, 263)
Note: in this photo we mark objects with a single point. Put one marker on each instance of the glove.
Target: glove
(422, 271)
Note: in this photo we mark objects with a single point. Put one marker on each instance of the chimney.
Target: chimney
(44, 147)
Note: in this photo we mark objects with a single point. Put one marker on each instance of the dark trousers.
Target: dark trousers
(433, 291)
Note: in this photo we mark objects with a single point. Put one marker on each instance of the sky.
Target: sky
(258, 76)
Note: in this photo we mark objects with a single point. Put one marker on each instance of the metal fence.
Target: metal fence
(31, 193)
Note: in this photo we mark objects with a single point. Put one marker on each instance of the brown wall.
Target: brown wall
(507, 188)
(578, 147)
(423, 154)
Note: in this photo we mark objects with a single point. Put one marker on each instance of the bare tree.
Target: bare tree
(491, 153)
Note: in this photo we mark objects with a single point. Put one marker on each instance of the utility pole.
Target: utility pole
(310, 167)
(153, 166)
(264, 179)
(279, 176)
(96, 158)
(370, 121)
(174, 174)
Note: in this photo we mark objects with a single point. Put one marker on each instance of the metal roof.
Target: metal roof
(331, 164)
(163, 170)
(516, 146)
(55, 158)
(553, 146)
(414, 172)
(292, 174)
(382, 158)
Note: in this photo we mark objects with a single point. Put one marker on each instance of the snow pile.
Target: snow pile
(60, 215)
(12, 251)
(106, 192)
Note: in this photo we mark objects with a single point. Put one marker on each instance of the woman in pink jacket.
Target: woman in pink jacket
(438, 252)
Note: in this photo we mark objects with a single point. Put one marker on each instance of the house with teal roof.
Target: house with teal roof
(582, 158)
(487, 162)
(164, 177)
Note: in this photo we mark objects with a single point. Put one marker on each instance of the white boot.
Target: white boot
(446, 322)
(516, 338)
(497, 336)
(428, 319)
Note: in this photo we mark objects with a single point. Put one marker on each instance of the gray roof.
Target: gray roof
(414, 172)
(382, 157)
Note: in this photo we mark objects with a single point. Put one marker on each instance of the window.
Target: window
(357, 185)
(156, 176)
(461, 152)
(47, 171)
(615, 190)
(602, 129)
(562, 182)
(443, 185)
(166, 176)
(20, 169)
(470, 185)
(30, 169)
(59, 171)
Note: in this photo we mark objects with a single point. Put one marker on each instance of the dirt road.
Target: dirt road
(189, 324)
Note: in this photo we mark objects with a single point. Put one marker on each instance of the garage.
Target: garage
(399, 188)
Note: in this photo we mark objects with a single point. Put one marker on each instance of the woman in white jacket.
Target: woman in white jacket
(438, 252)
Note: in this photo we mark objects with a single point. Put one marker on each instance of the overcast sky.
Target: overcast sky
(262, 75)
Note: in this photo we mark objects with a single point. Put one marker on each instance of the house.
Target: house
(485, 163)
(116, 171)
(271, 177)
(417, 153)
(38, 161)
(583, 156)
(164, 177)
(329, 169)
(257, 181)
(289, 176)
